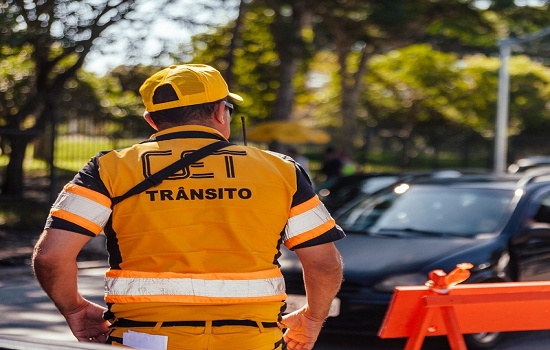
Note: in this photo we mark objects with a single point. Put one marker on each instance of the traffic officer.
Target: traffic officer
(192, 248)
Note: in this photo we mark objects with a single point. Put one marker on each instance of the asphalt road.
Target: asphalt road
(28, 314)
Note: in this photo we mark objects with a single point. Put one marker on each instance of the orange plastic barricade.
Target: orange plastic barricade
(444, 308)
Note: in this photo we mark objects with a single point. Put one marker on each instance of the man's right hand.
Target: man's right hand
(302, 330)
(322, 268)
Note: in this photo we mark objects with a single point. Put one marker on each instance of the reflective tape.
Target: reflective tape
(307, 221)
(194, 288)
(78, 205)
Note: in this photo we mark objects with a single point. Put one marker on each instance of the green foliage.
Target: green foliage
(100, 101)
(411, 85)
(73, 151)
(417, 84)
(319, 102)
(16, 78)
(255, 61)
(529, 96)
(449, 83)
(463, 27)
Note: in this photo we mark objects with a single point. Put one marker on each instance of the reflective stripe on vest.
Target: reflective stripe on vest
(122, 286)
(307, 221)
(82, 206)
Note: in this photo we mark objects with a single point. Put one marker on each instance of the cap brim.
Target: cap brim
(235, 96)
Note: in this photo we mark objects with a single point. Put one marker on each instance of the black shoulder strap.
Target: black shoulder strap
(162, 174)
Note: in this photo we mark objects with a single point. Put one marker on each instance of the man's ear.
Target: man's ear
(150, 121)
(219, 112)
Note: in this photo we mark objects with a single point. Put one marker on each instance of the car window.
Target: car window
(541, 217)
(430, 210)
(364, 214)
(376, 183)
(348, 189)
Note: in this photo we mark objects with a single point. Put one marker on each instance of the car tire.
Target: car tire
(481, 341)
(487, 340)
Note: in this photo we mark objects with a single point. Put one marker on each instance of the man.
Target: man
(193, 258)
(332, 166)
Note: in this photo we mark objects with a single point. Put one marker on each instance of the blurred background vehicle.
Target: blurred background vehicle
(346, 188)
(397, 235)
(524, 164)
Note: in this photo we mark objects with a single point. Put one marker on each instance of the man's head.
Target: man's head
(185, 94)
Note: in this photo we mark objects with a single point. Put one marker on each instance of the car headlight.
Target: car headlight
(411, 279)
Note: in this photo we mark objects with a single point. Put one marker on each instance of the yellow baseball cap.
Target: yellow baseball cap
(192, 83)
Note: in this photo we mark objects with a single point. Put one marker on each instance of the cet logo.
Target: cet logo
(153, 161)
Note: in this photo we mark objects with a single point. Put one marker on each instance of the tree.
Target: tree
(357, 29)
(416, 91)
(263, 51)
(247, 59)
(291, 32)
(55, 37)
(112, 98)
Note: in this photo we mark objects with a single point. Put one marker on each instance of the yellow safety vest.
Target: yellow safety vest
(208, 235)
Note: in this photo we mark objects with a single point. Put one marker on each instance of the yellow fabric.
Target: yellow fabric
(273, 272)
(156, 311)
(193, 83)
(90, 194)
(172, 228)
(220, 338)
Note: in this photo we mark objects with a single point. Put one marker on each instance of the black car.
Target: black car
(341, 191)
(527, 163)
(396, 236)
(344, 189)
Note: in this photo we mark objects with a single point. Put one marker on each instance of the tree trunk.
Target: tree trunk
(284, 102)
(19, 140)
(351, 84)
(235, 39)
(290, 47)
(13, 180)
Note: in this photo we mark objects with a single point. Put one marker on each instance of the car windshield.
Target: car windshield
(429, 211)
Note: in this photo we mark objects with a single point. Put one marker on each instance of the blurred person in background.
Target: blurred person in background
(331, 169)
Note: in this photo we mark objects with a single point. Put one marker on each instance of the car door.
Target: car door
(531, 246)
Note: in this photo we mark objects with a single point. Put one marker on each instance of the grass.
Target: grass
(73, 151)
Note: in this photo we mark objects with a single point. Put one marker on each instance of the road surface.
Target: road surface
(27, 313)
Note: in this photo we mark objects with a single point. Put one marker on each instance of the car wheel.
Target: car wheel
(480, 341)
(488, 340)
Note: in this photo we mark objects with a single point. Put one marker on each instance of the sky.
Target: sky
(164, 29)
(101, 63)
(161, 28)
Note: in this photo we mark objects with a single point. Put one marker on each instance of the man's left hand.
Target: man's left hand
(87, 323)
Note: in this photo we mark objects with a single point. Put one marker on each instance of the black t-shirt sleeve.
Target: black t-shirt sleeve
(334, 234)
(305, 192)
(87, 177)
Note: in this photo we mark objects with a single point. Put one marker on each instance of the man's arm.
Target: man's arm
(322, 269)
(55, 267)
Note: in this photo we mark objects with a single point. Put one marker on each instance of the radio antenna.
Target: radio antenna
(244, 129)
